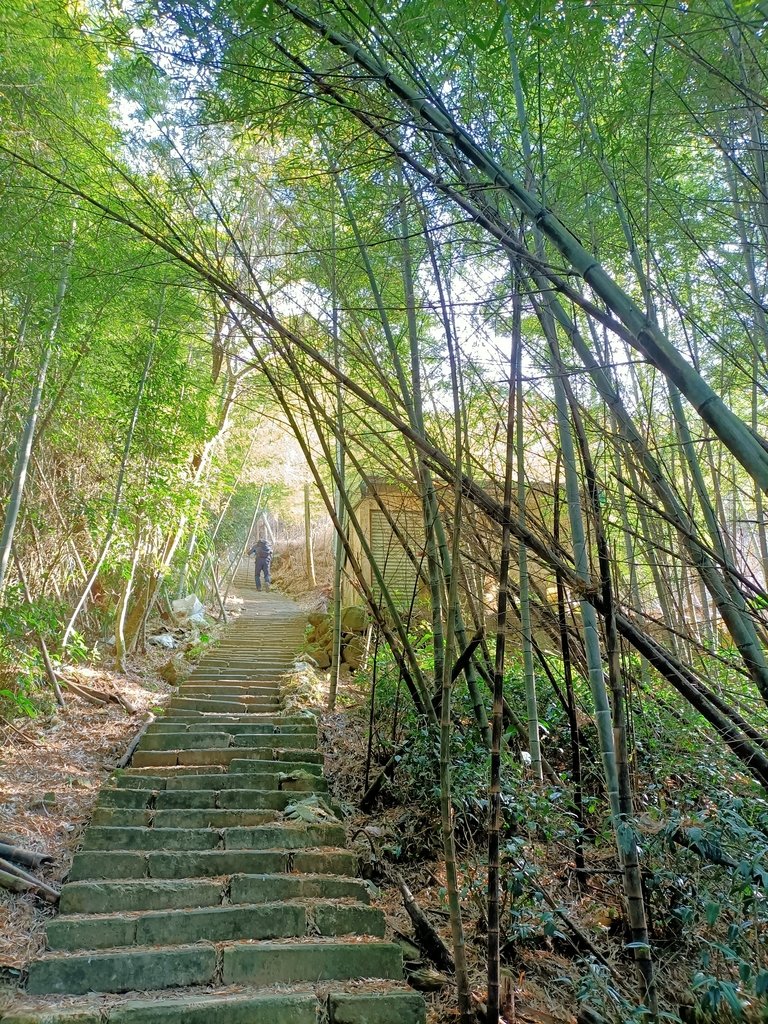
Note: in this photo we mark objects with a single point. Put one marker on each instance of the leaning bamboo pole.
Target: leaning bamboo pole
(643, 334)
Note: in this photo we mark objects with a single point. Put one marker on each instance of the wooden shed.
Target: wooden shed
(403, 507)
(400, 575)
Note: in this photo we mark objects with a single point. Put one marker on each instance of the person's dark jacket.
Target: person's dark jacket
(262, 549)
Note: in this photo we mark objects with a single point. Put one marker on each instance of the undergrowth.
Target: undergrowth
(706, 895)
(24, 686)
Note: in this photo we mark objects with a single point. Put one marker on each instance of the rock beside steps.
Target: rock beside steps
(193, 900)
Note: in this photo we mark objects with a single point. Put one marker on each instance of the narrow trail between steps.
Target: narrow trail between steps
(194, 899)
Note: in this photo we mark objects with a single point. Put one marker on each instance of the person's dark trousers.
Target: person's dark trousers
(262, 566)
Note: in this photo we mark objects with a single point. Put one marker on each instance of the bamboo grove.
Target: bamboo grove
(512, 256)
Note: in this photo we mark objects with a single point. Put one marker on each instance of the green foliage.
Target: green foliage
(23, 687)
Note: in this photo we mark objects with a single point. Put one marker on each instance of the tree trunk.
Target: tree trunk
(309, 553)
(117, 500)
(26, 440)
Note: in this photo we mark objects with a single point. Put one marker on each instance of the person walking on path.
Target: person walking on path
(263, 554)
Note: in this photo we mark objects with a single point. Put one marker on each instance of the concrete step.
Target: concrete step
(189, 876)
(257, 837)
(255, 728)
(290, 760)
(213, 680)
(388, 1005)
(381, 1007)
(267, 963)
(173, 927)
(256, 701)
(264, 888)
(276, 662)
(266, 653)
(257, 963)
(207, 777)
(234, 756)
(227, 689)
(188, 716)
(217, 740)
(226, 1008)
(102, 897)
(102, 865)
(236, 671)
(194, 818)
(94, 897)
(239, 706)
(195, 799)
(231, 923)
(238, 676)
(141, 970)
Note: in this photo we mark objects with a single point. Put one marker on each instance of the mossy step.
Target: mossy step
(169, 894)
(228, 691)
(178, 739)
(179, 927)
(207, 718)
(104, 897)
(224, 1008)
(175, 779)
(213, 681)
(131, 970)
(217, 692)
(275, 751)
(213, 702)
(243, 666)
(212, 684)
(238, 681)
(282, 648)
(265, 888)
(234, 728)
(159, 775)
(291, 760)
(258, 837)
(241, 673)
(100, 865)
(204, 817)
(233, 666)
(188, 715)
(200, 740)
(271, 963)
(214, 924)
(194, 799)
(376, 1008)
(240, 706)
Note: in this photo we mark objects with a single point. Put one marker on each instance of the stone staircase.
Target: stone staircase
(193, 900)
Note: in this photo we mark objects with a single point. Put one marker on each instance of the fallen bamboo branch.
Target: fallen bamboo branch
(579, 934)
(125, 759)
(426, 934)
(124, 703)
(13, 883)
(51, 894)
(708, 850)
(93, 696)
(217, 591)
(90, 698)
(22, 734)
(27, 857)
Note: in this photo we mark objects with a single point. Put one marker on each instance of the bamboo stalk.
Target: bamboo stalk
(7, 868)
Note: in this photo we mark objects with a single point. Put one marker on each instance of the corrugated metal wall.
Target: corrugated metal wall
(400, 576)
